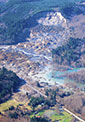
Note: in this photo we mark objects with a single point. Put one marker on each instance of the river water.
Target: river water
(60, 76)
(52, 76)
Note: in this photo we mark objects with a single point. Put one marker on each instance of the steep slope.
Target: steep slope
(17, 17)
(9, 82)
(76, 104)
(71, 54)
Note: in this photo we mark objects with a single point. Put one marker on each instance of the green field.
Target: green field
(64, 117)
(51, 114)
(12, 102)
(6, 105)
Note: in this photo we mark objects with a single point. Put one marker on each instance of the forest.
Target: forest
(9, 82)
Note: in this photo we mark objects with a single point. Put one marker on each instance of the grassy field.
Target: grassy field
(38, 114)
(51, 114)
(27, 106)
(64, 117)
(6, 105)
(13, 102)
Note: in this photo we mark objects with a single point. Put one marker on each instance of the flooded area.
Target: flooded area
(53, 76)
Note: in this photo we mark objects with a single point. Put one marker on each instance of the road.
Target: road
(37, 91)
(73, 115)
(34, 89)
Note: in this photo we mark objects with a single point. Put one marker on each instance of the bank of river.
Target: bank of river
(52, 76)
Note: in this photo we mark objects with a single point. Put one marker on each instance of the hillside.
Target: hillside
(71, 54)
(79, 76)
(76, 103)
(18, 17)
(9, 82)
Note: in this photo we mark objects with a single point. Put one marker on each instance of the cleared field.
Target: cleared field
(64, 117)
(12, 102)
(40, 113)
(51, 114)
(6, 105)
(27, 106)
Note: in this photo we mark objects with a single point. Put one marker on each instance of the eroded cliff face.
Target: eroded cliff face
(52, 29)
(53, 19)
